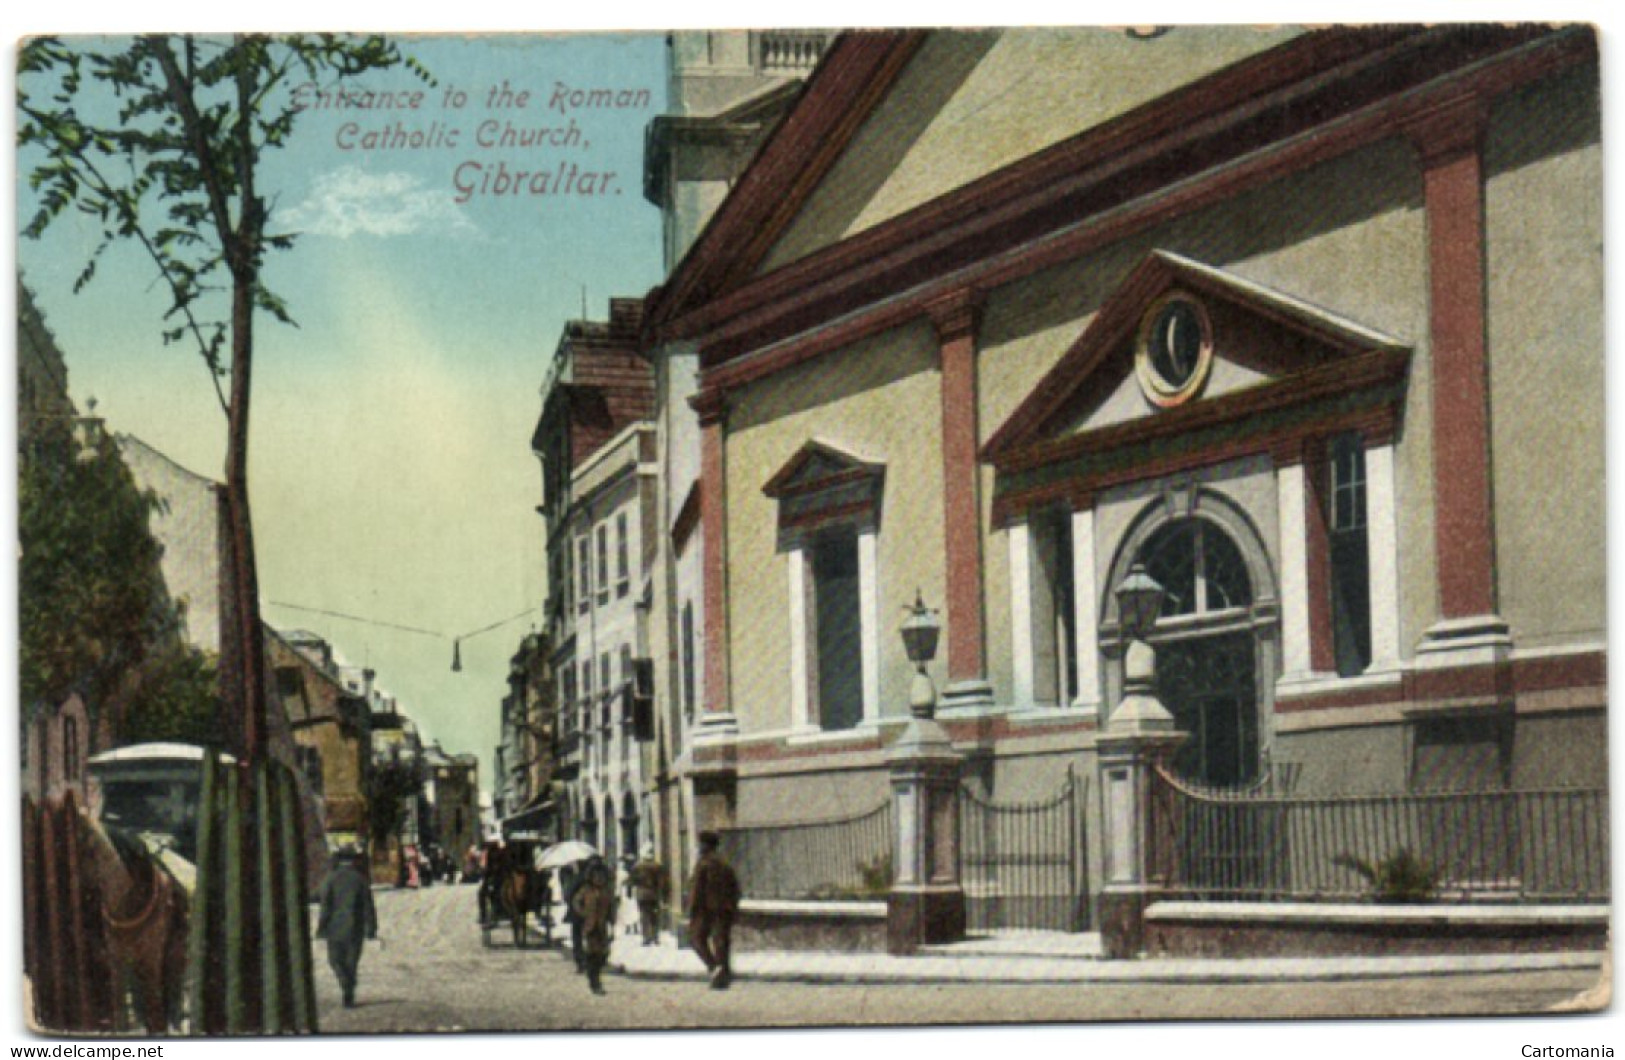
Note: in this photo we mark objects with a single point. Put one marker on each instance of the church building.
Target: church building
(1305, 324)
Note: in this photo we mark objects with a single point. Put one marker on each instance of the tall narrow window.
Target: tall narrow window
(1055, 656)
(569, 575)
(567, 699)
(583, 573)
(623, 578)
(1350, 557)
(603, 563)
(605, 689)
(835, 592)
(688, 659)
(626, 684)
(586, 698)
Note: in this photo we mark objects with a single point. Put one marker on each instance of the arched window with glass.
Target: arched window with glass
(1206, 649)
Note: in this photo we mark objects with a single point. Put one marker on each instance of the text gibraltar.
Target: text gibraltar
(497, 181)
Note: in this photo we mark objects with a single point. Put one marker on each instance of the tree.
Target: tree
(95, 615)
(91, 595)
(158, 140)
(394, 781)
(172, 167)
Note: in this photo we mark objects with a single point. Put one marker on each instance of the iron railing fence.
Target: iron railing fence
(1022, 864)
(844, 858)
(1529, 845)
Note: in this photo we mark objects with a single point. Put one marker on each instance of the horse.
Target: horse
(145, 911)
(516, 890)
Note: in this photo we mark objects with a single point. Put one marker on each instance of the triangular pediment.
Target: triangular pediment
(818, 466)
(1180, 345)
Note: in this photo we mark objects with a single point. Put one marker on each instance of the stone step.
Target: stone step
(1021, 945)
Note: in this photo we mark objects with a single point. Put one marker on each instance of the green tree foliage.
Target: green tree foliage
(157, 140)
(177, 700)
(392, 784)
(94, 612)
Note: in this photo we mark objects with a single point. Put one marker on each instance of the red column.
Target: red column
(713, 523)
(954, 318)
(1450, 143)
(1318, 555)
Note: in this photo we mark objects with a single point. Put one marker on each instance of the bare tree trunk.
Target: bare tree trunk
(248, 682)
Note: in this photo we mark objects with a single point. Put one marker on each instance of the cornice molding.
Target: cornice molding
(1025, 218)
(853, 77)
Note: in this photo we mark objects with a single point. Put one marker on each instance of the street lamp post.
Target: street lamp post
(1139, 599)
(1139, 737)
(920, 632)
(926, 903)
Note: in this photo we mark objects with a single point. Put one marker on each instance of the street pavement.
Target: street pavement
(433, 972)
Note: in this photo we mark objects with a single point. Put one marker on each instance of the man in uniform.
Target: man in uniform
(594, 907)
(347, 917)
(648, 882)
(713, 902)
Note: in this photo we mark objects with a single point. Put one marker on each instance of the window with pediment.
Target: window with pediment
(828, 516)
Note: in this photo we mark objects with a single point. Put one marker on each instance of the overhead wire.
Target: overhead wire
(398, 626)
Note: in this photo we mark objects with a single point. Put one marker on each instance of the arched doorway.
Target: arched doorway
(1215, 635)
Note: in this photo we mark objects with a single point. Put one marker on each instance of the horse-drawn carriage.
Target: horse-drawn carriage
(515, 890)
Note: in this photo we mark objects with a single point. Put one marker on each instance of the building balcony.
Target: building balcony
(790, 51)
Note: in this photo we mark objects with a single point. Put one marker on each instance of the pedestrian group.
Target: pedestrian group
(591, 908)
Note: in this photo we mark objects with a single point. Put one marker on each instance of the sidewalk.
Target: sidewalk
(1058, 958)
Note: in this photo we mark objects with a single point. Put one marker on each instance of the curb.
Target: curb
(1031, 971)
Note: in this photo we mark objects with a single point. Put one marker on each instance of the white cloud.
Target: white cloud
(350, 202)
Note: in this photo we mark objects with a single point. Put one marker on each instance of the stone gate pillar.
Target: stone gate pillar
(1140, 735)
(927, 901)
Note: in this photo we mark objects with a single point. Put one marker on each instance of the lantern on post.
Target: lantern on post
(1139, 600)
(926, 903)
(920, 631)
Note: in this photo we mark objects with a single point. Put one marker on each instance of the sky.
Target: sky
(391, 475)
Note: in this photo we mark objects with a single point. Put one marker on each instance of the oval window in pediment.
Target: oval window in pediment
(1175, 350)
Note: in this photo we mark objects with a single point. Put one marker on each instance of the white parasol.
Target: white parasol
(566, 853)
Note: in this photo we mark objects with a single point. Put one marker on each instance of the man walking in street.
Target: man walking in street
(570, 881)
(648, 883)
(713, 902)
(594, 909)
(347, 918)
